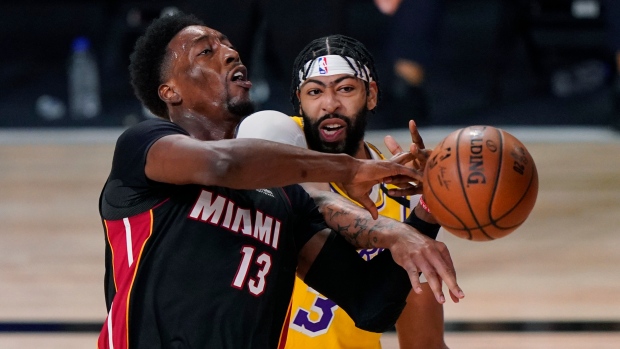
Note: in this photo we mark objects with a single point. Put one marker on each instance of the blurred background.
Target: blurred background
(544, 70)
(441, 62)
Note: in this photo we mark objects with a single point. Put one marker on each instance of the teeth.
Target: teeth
(238, 75)
(331, 129)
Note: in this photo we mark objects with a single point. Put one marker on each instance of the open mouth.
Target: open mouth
(332, 130)
(240, 77)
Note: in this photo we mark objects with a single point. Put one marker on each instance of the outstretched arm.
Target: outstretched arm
(254, 163)
(372, 293)
(412, 250)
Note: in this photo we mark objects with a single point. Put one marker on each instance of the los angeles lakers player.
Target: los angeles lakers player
(334, 87)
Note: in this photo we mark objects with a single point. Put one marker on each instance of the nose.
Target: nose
(230, 55)
(330, 102)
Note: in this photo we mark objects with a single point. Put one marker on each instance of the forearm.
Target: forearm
(243, 163)
(357, 226)
(355, 223)
(252, 163)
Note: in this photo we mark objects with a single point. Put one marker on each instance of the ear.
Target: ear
(373, 93)
(298, 102)
(168, 94)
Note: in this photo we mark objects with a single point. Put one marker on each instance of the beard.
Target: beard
(239, 106)
(241, 109)
(354, 134)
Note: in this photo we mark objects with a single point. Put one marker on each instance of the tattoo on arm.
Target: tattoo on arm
(354, 223)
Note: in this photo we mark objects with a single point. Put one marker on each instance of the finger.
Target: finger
(438, 269)
(434, 281)
(392, 145)
(455, 299)
(417, 153)
(414, 277)
(403, 181)
(443, 273)
(425, 153)
(445, 253)
(413, 174)
(402, 158)
(415, 135)
(415, 282)
(369, 205)
(449, 270)
(406, 191)
(419, 157)
(402, 186)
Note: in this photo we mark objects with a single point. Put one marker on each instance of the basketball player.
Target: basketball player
(202, 242)
(334, 87)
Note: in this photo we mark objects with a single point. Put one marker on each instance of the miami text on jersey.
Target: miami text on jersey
(264, 228)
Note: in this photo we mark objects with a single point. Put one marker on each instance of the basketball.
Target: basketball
(480, 183)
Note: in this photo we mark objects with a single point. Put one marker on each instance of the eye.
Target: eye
(346, 88)
(313, 92)
(206, 51)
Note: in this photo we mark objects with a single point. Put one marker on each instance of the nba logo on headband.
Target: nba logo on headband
(322, 62)
(337, 65)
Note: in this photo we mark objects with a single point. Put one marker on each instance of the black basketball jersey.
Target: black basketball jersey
(192, 266)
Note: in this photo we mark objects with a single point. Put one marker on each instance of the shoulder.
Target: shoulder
(298, 120)
(149, 131)
(134, 143)
(273, 126)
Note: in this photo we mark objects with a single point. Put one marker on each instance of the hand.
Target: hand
(420, 157)
(372, 172)
(417, 253)
(387, 7)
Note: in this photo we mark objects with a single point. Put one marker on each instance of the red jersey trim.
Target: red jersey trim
(127, 238)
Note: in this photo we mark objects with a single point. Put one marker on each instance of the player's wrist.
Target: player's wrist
(422, 203)
(427, 226)
(387, 233)
(423, 212)
(353, 166)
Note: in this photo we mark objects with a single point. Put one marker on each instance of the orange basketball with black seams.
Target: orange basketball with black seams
(480, 183)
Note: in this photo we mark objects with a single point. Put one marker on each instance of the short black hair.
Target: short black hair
(341, 45)
(147, 60)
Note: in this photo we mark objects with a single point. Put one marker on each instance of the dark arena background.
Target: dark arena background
(544, 70)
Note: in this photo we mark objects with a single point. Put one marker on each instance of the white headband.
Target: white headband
(333, 65)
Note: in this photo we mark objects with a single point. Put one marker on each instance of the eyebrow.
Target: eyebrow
(340, 79)
(221, 37)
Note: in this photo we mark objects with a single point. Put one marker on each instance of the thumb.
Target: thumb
(369, 205)
(401, 158)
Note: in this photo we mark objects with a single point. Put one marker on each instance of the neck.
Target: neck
(206, 128)
(362, 151)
